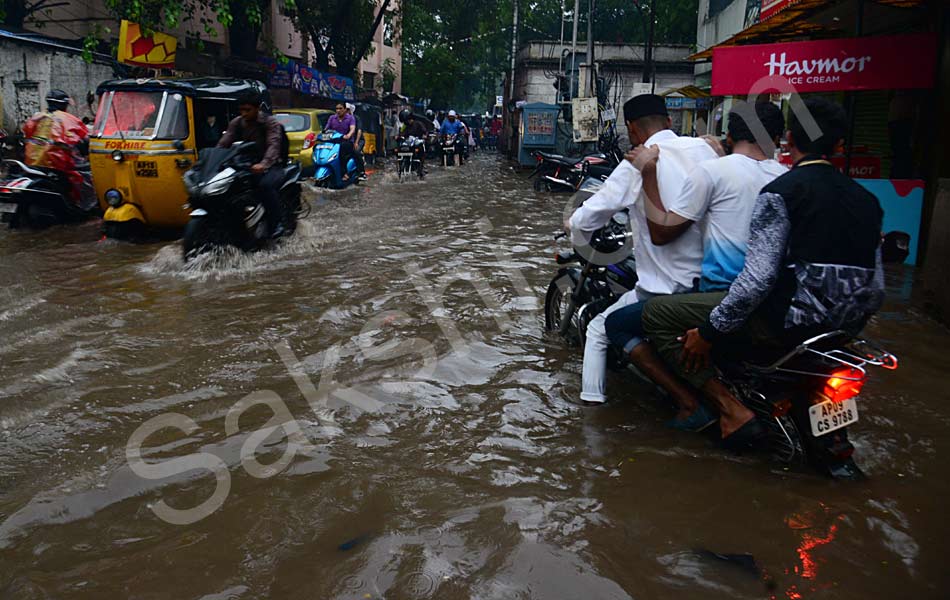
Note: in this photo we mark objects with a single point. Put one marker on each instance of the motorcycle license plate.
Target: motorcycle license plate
(7, 207)
(830, 415)
(405, 155)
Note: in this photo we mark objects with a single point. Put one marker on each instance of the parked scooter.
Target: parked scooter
(409, 155)
(38, 197)
(807, 398)
(558, 173)
(226, 210)
(329, 170)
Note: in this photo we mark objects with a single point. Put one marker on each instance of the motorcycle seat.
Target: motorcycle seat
(35, 170)
(559, 158)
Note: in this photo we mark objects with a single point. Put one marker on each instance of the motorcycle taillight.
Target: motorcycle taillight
(844, 384)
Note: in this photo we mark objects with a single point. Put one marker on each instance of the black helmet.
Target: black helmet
(57, 100)
(404, 115)
(430, 114)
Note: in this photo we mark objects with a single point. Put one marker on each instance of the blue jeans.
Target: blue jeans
(625, 326)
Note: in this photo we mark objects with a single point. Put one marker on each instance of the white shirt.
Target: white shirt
(720, 195)
(668, 269)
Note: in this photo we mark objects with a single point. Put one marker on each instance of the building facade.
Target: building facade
(381, 71)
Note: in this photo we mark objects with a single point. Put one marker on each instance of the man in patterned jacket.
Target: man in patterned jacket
(813, 265)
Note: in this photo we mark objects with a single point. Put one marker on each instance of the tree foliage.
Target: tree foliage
(338, 29)
(456, 52)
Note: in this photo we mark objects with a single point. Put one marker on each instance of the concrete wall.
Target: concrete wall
(712, 30)
(538, 61)
(47, 68)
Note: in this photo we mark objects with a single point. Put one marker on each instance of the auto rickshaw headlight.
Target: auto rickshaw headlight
(117, 156)
(113, 198)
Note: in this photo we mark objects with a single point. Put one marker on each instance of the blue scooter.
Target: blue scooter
(326, 160)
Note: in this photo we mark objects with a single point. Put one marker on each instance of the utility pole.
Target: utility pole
(514, 50)
(560, 58)
(591, 83)
(648, 51)
(570, 85)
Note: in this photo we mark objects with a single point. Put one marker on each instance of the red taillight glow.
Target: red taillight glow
(844, 384)
(309, 140)
(781, 408)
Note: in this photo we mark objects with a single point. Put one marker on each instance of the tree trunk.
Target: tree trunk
(348, 69)
(321, 56)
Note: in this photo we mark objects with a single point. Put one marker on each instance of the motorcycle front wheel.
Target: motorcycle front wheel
(556, 303)
(196, 239)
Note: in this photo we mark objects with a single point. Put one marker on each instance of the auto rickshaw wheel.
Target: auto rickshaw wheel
(130, 230)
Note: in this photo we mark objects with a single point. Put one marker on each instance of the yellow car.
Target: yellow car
(302, 126)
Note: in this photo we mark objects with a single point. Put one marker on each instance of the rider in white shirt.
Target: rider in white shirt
(720, 196)
(669, 269)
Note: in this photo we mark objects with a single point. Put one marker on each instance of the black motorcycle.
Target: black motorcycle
(433, 145)
(409, 157)
(451, 145)
(38, 197)
(225, 208)
(806, 398)
(559, 173)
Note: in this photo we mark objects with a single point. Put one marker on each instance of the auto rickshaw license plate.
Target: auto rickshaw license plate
(146, 168)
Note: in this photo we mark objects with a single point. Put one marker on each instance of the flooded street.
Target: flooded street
(374, 411)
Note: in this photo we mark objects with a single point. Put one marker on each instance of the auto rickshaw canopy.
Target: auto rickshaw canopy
(211, 88)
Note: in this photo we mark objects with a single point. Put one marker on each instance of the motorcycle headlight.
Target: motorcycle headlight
(220, 182)
(113, 198)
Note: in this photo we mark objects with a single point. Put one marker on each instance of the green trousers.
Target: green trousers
(668, 318)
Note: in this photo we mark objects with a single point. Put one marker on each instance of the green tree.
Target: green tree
(340, 30)
(456, 52)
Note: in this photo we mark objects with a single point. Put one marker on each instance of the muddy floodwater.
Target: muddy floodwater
(374, 411)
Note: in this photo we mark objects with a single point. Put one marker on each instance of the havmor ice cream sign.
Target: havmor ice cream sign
(868, 63)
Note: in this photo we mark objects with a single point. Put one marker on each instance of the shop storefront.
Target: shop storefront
(879, 59)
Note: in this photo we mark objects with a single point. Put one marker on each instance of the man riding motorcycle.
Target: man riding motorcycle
(668, 269)
(430, 114)
(719, 195)
(413, 128)
(454, 126)
(813, 265)
(358, 142)
(266, 132)
(55, 139)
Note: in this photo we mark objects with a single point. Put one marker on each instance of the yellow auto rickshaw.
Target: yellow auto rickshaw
(147, 133)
